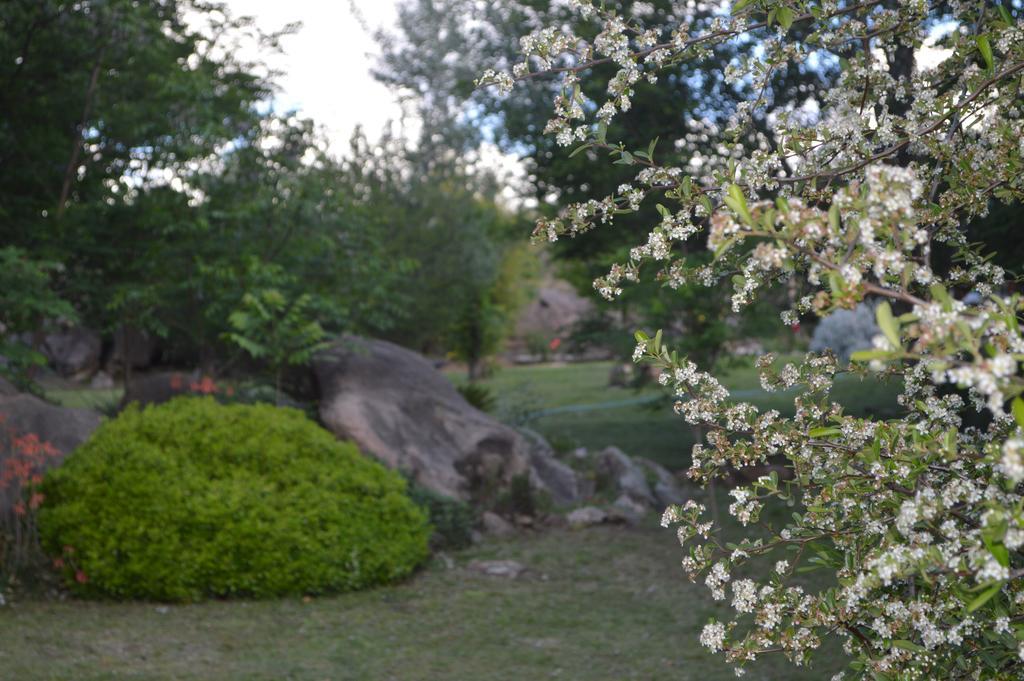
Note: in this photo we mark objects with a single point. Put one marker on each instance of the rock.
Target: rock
(586, 516)
(622, 375)
(394, 405)
(554, 310)
(74, 353)
(63, 428)
(625, 475)
(580, 454)
(666, 488)
(133, 347)
(159, 387)
(547, 472)
(101, 381)
(627, 509)
(496, 526)
(7, 388)
(508, 569)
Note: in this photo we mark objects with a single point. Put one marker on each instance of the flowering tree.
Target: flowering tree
(854, 194)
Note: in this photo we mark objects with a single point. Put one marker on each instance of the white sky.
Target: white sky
(326, 64)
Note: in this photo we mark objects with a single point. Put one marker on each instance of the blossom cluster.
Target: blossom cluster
(918, 519)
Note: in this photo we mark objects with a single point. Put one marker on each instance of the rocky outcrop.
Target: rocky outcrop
(158, 387)
(62, 427)
(73, 353)
(132, 347)
(27, 426)
(624, 474)
(556, 307)
(395, 405)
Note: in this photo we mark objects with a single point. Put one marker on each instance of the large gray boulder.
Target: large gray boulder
(73, 352)
(625, 475)
(554, 309)
(395, 405)
(665, 486)
(63, 428)
(132, 347)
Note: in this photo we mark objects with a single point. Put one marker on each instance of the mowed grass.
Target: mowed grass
(602, 604)
(605, 603)
(585, 411)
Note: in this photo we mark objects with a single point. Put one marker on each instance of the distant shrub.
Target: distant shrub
(193, 498)
(452, 520)
(846, 331)
(480, 396)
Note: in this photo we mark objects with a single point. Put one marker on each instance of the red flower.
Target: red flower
(206, 386)
(81, 577)
(176, 382)
(555, 343)
(36, 500)
(58, 563)
(19, 508)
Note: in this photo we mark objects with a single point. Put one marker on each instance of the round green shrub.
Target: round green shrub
(193, 498)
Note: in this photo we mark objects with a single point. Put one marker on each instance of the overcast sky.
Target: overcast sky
(327, 67)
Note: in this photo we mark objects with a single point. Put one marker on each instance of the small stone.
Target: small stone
(508, 569)
(496, 526)
(101, 381)
(627, 509)
(524, 520)
(586, 516)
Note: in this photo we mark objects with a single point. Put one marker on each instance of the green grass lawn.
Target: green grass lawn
(606, 603)
(650, 429)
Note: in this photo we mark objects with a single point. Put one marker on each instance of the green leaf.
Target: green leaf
(888, 324)
(986, 51)
(738, 203)
(784, 16)
(825, 431)
(1018, 411)
(985, 597)
(578, 149)
(833, 217)
(868, 355)
(908, 645)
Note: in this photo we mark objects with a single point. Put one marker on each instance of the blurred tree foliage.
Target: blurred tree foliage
(441, 46)
(142, 162)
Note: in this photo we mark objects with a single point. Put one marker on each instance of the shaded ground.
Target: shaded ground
(607, 603)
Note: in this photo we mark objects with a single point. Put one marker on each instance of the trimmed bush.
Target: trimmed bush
(192, 498)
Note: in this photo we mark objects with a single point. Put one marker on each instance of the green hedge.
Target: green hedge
(193, 498)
